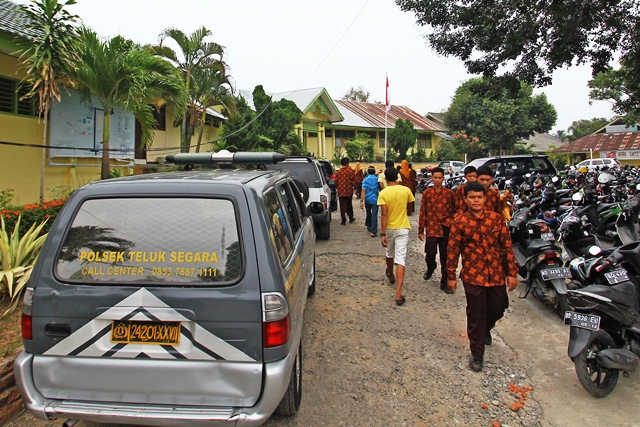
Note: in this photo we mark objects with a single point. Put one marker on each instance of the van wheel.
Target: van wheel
(312, 285)
(290, 402)
(324, 231)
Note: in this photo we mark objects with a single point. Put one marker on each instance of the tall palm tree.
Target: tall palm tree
(122, 74)
(196, 53)
(47, 57)
(212, 87)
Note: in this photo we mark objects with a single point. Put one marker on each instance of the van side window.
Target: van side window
(280, 226)
(539, 164)
(287, 192)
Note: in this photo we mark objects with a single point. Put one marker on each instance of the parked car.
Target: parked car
(596, 164)
(517, 165)
(171, 299)
(452, 166)
(311, 172)
(330, 174)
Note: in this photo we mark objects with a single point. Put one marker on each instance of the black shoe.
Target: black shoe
(488, 340)
(427, 274)
(352, 220)
(343, 223)
(475, 363)
(446, 289)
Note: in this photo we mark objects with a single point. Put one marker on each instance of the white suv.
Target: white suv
(592, 164)
(309, 170)
(452, 166)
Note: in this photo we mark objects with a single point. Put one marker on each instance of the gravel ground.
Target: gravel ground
(368, 362)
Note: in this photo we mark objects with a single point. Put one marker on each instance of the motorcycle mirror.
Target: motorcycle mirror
(576, 197)
(594, 250)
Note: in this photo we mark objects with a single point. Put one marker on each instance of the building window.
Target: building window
(160, 116)
(313, 134)
(11, 92)
(328, 133)
(424, 140)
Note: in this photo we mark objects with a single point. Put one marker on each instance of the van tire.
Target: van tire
(324, 230)
(290, 402)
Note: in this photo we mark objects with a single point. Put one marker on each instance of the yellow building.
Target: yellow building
(73, 148)
(327, 124)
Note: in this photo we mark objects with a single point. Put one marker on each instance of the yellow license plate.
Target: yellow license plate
(131, 331)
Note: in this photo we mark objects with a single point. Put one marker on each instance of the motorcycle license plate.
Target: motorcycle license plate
(581, 320)
(616, 276)
(555, 273)
(547, 236)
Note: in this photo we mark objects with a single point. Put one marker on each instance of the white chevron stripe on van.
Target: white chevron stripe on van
(145, 300)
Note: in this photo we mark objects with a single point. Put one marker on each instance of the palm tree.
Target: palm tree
(47, 57)
(212, 87)
(196, 54)
(122, 74)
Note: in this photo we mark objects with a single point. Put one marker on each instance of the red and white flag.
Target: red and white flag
(388, 103)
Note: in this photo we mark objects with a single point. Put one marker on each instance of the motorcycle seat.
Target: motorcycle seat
(563, 209)
(604, 206)
(622, 293)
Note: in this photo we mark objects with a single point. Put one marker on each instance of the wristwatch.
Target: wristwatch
(383, 234)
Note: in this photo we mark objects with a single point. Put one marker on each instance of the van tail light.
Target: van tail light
(27, 327)
(276, 324)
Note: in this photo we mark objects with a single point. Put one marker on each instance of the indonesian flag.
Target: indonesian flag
(388, 103)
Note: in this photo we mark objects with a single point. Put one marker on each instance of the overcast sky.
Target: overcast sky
(336, 44)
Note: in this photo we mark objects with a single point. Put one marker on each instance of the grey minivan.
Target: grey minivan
(171, 299)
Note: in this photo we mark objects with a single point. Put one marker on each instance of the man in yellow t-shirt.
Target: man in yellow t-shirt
(395, 227)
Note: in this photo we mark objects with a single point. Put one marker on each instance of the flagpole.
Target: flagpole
(385, 135)
(387, 106)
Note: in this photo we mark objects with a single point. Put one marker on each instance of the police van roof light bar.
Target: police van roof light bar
(224, 156)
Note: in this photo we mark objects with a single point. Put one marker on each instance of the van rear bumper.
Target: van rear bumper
(277, 376)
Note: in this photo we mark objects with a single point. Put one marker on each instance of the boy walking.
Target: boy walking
(470, 174)
(436, 214)
(482, 238)
(369, 199)
(395, 228)
(345, 182)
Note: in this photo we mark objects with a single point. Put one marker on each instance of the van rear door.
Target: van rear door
(152, 299)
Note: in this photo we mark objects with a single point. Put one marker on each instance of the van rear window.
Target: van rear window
(152, 240)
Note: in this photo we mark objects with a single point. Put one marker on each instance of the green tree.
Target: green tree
(446, 150)
(580, 128)
(620, 87)
(358, 94)
(120, 73)
(237, 131)
(532, 38)
(212, 87)
(195, 53)
(499, 112)
(47, 57)
(402, 137)
(274, 119)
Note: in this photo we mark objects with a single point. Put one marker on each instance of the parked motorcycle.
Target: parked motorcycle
(628, 221)
(539, 258)
(605, 323)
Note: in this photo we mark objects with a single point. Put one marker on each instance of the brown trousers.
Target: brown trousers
(346, 208)
(485, 306)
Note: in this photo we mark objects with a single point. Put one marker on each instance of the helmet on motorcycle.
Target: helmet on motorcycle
(605, 178)
(583, 169)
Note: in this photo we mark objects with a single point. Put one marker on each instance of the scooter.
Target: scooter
(628, 221)
(539, 259)
(605, 324)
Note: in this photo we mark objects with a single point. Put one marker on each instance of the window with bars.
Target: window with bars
(424, 140)
(11, 92)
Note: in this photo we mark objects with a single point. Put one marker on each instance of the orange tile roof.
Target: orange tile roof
(602, 142)
(374, 115)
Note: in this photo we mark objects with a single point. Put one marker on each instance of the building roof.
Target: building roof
(437, 118)
(374, 115)
(13, 23)
(541, 142)
(602, 142)
(303, 98)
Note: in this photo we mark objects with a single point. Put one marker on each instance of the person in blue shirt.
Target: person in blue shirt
(369, 198)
